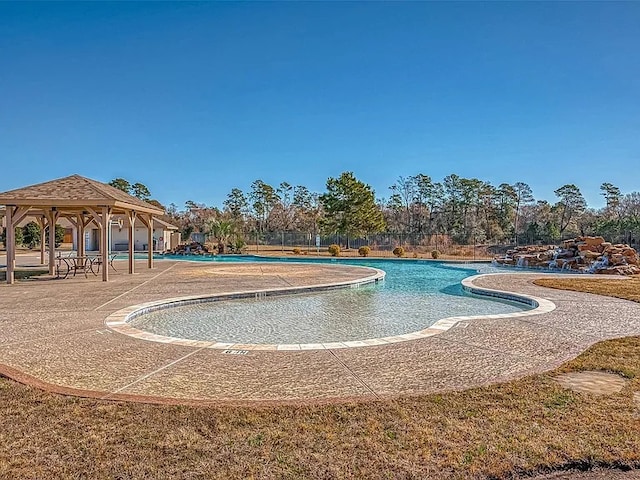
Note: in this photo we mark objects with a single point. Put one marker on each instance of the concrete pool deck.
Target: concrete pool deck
(52, 335)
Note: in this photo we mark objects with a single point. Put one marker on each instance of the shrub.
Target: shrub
(334, 250)
(364, 251)
(31, 234)
(398, 252)
(435, 254)
(297, 251)
(59, 234)
(238, 246)
(19, 238)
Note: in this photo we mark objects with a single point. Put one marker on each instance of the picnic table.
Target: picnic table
(84, 264)
(98, 261)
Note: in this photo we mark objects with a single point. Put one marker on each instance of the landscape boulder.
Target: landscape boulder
(578, 255)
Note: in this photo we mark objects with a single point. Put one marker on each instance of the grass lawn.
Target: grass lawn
(629, 289)
(499, 431)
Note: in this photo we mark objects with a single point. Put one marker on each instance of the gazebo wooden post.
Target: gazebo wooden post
(147, 220)
(14, 216)
(53, 216)
(104, 239)
(83, 246)
(11, 245)
(80, 230)
(43, 226)
(150, 241)
(131, 225)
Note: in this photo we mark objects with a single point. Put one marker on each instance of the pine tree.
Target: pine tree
(350, 208)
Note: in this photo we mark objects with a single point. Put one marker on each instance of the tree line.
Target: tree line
(467, 210)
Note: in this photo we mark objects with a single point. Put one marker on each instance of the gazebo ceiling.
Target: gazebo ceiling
(74, 193)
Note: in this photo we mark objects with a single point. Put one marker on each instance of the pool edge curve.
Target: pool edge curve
(119, 320)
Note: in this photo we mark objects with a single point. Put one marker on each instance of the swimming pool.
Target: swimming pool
(413, 296)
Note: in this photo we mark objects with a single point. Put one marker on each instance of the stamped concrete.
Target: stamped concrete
(596, 383)
(52, 334)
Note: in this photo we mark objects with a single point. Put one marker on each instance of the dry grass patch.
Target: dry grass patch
(626, 288)
(523, 426)
(621, 356)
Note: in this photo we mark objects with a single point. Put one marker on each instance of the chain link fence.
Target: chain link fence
(380, 244)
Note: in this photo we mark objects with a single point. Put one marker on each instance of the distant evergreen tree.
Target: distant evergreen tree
(140, 191)
(236, 204)
(121, 184)
(350, 208)
(571, 205)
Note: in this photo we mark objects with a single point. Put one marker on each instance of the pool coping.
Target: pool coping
(119, 320)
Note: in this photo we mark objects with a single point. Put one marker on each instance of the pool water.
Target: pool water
(413, 296)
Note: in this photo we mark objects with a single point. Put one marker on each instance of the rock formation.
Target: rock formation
(578, 255)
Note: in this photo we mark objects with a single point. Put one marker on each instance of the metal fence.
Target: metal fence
(381, 243)
(375, 242)
(312, 243)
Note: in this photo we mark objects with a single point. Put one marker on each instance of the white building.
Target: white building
(165, 236)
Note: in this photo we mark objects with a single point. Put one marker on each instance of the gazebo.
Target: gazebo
(81, 201)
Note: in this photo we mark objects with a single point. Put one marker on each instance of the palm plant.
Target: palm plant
(221, 231)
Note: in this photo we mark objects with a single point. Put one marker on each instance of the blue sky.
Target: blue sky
(194, 99)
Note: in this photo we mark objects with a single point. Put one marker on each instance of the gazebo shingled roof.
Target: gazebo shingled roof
(75, 190)
(82, 201)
